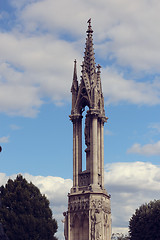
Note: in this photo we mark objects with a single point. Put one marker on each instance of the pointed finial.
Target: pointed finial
(89, 26)
(98, 67)
(83, 67)
(75, 70)
(75, 82)
(89, 21)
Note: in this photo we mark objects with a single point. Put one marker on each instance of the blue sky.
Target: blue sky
(39, 40)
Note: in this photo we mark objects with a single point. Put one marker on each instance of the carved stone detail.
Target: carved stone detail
(84, 179)
(87, 131)
(96, 225)
(77, 204)
(89, 213)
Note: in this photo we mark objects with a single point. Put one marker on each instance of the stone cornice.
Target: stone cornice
(96, 112)
(75, 117)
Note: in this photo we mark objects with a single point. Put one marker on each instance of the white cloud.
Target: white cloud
(130, 185)
(4, 139)
(147, 150)
(42, 69)
(15, 127)
(37, 54)
(118, 89)
(133, 35)
(155, 126)
(20, 100)
(55, 188)
(130, 27)
(3, 178)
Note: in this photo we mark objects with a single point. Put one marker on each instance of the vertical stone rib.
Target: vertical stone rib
(69, 223)
(80, 145)
(77, 153)
(98, 148)
(94, 149)
(91, 151)
(102, 153)
(74, 154)
(99, 88)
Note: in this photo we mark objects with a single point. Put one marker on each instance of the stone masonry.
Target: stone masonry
(89, 212)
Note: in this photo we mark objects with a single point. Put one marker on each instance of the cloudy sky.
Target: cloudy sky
(39, 40)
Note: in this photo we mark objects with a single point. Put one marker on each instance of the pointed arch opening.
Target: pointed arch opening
(83, 102)
(83, 108)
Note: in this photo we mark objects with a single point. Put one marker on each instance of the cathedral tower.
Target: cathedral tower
(89, 214)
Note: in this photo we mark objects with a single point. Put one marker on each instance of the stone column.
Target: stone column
(77, 154)
(102, 152)
(74, 153)
(69, 224)
(90, 226)
(94, 150)
(77, 147)
(91, 152)
(98, 146)
(80, 145)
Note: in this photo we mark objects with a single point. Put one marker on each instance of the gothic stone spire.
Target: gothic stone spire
(75, 82)
(89, 60)
(89, 213)
(89, 91)
(74, 88)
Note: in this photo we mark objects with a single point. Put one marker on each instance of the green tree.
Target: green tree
(25, 213)
(145, 223)
(119, 236)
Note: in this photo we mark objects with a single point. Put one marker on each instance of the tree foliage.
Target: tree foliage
(145, 223)
(119, 236)
(25, 212)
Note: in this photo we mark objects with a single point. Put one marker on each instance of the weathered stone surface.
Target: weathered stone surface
(89, 213)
